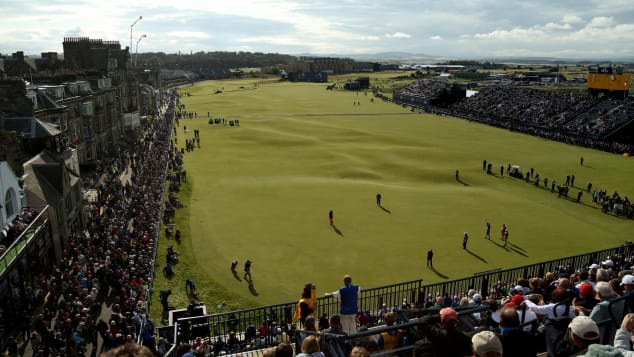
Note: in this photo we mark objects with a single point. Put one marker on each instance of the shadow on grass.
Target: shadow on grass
(337, 230)
(501, 245)
(438, 273)
(462, 182)
(514, 246)
(252, 288)
(385, 209)
(511, 248)
(515, 250)
(235, 275)
(476, 256)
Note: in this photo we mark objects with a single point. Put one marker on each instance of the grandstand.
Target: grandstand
(601, 121)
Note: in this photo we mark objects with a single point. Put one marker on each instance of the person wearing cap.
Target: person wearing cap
(348, 309)
(475, 300)
(627, 282)
(570, 339)
(524, 314)
(608, 263)
(446, 340)
(516, 341)
(586, 301)
(487, 344)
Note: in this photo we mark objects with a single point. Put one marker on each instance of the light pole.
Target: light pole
(136, 51)
(131, 26)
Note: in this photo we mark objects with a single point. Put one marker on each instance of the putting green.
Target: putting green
(262, 191)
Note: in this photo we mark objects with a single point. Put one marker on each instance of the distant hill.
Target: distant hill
(421, 58)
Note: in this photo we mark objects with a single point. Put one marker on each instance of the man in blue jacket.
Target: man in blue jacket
(348, 309)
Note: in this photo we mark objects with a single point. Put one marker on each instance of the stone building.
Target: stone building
(25, 249)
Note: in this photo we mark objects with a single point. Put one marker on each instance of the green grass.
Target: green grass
(262, 191)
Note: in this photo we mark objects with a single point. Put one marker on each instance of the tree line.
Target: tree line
(217, 59)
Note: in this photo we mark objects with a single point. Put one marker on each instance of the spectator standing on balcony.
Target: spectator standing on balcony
(306, 304)
(348, 295)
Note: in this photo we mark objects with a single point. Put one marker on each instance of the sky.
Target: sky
(467, 29)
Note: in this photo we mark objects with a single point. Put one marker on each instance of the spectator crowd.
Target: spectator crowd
(572, 118)
(111, 262)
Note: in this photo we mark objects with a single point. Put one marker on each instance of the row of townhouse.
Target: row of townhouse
(57, 116)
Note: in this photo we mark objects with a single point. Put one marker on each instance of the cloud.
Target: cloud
(602, 21)
(551, 26)
(514, 34)
(452, 28)
(397, 35)
(188, 34)
(571, 19)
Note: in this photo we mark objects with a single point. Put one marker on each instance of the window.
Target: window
(10, 202)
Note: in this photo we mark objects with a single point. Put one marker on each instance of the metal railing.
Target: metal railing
(487, 282)
(13, 251)
(277, 318)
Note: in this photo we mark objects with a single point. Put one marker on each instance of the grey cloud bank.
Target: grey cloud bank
(602, 30)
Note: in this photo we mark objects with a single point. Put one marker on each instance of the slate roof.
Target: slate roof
(30, 127)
